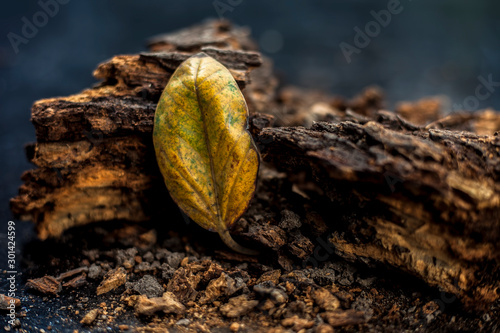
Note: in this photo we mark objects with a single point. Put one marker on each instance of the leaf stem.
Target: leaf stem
(229, 241)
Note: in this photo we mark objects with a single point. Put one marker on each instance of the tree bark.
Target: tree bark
(424, 200)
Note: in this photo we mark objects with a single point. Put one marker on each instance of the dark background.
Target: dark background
(430, 48)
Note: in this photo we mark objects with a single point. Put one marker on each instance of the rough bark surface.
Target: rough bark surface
(425, 200)
(419, 194)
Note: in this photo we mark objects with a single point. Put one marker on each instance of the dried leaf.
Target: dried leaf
(204, 150)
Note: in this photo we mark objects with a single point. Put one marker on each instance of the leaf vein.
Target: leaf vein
(188, 181)
(206, 77)
(210, 102)
(235, 144)
(217, 221)
(182, 107)
(242, 162)
(184, 84)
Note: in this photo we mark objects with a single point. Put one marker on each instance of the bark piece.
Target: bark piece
(325, 299)
(416, 187)
(422, 111)
(147, 74)
(238, 306)
(90, 317)
(72, 272)
(224, 285)
(6, 301)
(182, 286)
(484, 122)
(217, 33)
(272, 276)
(297, 324)
(343, 318)
(76, 282)
(82, 182)
(269, 235)
(168, 303)
(112, 280)
(46, 285)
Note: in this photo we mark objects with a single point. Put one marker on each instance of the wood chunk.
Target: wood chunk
(182, 286)
(325, 299)
(70, 273)
(224, 285)
(324, 328)
(90, 317)
(76, 282)
(416, 187)
(168, 303)
(83, 182)
(300, 246)
(46, 285)
(485, 122)
(91, 118)
(272, 276)
(238, 306)
(216, 33)
(112, 280)
(343, 318)
(269, 235)
(297, 324)
(6, 301)
(148, 73)
(422, 111)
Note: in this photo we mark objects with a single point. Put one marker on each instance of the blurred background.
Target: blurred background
(427, 48)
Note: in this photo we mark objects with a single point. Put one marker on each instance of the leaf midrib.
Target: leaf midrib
(219, 222)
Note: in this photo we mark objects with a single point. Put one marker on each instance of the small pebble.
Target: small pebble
(183, 322)
(89, 318)
(234, 327)
(149, 286)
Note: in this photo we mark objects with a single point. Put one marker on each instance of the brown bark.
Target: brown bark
(424, 200)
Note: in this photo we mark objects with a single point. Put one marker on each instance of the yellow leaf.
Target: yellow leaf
(206, 154)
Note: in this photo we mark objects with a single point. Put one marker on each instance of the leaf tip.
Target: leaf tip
(201, 55)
